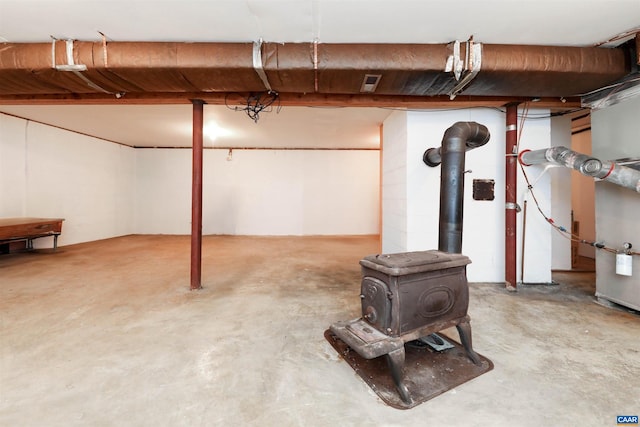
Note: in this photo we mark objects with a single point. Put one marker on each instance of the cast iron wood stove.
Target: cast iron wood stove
(409, 296)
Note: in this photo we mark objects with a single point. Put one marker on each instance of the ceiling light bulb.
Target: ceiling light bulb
(212, 130)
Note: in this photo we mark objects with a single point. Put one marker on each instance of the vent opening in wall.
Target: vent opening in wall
(483, 189)
(370, 82)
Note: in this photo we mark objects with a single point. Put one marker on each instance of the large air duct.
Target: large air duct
(602, 169)
(41, 69)
(457, 140)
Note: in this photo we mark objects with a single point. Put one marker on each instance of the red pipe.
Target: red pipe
(510, 197)
(196, 196)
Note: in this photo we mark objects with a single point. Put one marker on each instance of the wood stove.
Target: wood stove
(409, 296)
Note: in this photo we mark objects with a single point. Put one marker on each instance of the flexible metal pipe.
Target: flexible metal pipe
(602, 169)
(457, 140)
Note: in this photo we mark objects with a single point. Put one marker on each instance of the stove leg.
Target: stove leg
(395, 360)
(464, 330)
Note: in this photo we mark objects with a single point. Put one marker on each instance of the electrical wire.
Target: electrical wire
(617, 89)
(256, 103)
(555, 114)
(437, 110)
(614, 85)
(530, 116)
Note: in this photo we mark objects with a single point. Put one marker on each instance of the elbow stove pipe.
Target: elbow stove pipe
(457, 140)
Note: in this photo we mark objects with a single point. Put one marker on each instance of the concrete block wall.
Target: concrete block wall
(394, 178)
(52, 173)
(483, 235)
(260, 192)
(106, 190)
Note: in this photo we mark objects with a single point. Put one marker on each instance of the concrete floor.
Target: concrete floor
(108, 334)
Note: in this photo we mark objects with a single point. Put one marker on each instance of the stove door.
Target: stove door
(376, 303)
(432, 297)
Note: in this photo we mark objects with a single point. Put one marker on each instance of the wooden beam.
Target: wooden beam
(292, 99)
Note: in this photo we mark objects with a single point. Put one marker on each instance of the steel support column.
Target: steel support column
(510, 197)
(196, 196)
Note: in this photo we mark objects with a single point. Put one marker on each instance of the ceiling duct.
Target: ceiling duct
(625, 88)
(608, 96)
(155, 68)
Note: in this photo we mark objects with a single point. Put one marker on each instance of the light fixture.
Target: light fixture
(230, 155)
(213, 131)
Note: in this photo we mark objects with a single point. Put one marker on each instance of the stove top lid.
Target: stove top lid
(414, 262)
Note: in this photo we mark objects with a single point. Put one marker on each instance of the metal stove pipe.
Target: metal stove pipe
(457, 140)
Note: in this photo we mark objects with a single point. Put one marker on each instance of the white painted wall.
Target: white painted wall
(52, 173)
(105, 190)
(561, 195)
(163, 191)
(394, 178)
(615, 135)
(260, 192)
(483, 236)
(13, 167)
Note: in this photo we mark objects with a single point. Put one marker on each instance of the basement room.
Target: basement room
(319, 213)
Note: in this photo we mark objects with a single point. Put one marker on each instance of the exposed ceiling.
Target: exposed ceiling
(171, 125)
(295, 25)
(542, 22)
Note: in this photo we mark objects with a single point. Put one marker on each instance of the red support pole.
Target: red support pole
(196, 196)
(510, 196)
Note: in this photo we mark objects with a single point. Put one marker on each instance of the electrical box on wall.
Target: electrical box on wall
(624, 264)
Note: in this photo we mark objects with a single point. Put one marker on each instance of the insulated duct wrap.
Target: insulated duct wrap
(546, 70)
(405, 69)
